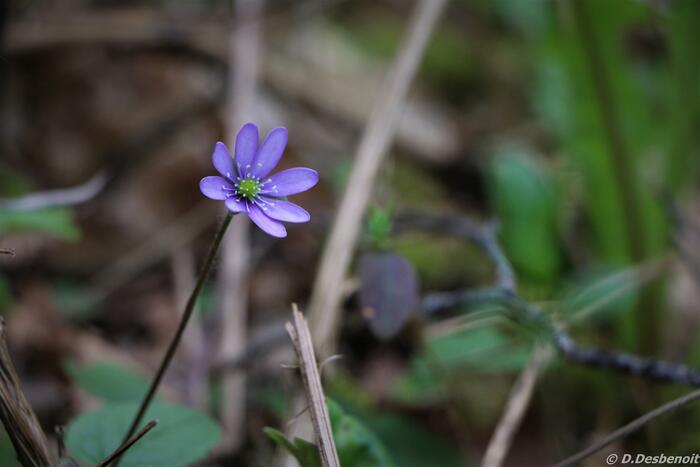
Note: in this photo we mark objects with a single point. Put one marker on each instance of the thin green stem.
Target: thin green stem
(172, 347)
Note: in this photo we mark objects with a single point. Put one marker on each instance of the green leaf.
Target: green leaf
(5, 295)
(109, 381)
(357, 446)
(379, 227)
(8, 457)
(304, 452)
(410, 444)
(485, 349)
(57, 222)
(182, 436)
(524, 198)
(602, 292)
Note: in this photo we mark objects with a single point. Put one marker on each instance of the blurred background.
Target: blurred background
(572, 124)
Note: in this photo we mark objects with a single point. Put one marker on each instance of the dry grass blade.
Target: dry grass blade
(630, 428)
(299, 332)
(378, 135)
(61, 197)
(244, 51)
(18, 417)
(519, 400)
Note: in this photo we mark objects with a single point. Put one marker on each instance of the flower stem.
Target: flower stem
(172, 347)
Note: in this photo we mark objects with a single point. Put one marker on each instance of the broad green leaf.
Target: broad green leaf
(109, 381)
(182, 436)
(357, 446)
(482, 349)
(420, 384)
(57, 222)
(411, 445)
(524, 199)
(304, 452)
(682, 104)
(5, 295)
(7, 451)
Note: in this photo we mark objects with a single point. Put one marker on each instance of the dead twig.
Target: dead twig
(21, 424)
(519, 400)
(244, 48)
(630, 428)
(327, 291)
(127, 445)
(62, 197)
(300, 335)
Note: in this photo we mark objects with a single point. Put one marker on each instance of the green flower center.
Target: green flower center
(248, 188)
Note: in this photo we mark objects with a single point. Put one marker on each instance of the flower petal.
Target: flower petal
(221, 158)
(213, 187)
(289, 182)
(270, 152)
(246, 146)
(235, 206)
(269, 226)
(283, 210)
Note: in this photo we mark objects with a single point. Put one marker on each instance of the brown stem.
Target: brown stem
(127, 445)
(172, 347)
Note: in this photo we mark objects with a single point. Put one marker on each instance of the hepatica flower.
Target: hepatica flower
(246, 186)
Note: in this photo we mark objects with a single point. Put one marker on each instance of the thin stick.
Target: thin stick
(630, 428)
(327, 291)
(61, 197)
(301, 339)
(244, 47)
(519, 400)
(127, 445)
(172, 347)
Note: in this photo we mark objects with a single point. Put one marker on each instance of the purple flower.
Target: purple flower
(246, 184)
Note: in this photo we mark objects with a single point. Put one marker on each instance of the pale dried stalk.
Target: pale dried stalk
(299, 332)
(21, 424)
(512, 417)
(379, 132)
(60, 197)
(244, 45)
(630, 428)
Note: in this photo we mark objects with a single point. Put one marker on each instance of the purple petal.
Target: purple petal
(283, 210)
(289, 182)
(269, 226)
(213, 187)
(221, 158)
(270, 152)
(246, 146)
(235, 206)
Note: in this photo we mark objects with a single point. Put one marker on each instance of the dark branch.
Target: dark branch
(504, 293)
(127, 445)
